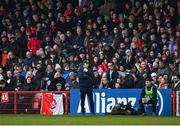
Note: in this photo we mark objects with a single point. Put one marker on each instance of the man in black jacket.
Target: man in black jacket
(86, 85)
(175, 82)
(40, 77)
(111, 75)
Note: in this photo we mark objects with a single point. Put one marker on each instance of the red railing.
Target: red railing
(28, 101)
(174, 103)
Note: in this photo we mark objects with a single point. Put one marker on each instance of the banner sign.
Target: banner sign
(105, 99)
(5, 97)
(52, 104)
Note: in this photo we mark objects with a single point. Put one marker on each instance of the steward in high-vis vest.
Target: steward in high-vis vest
(148, 96)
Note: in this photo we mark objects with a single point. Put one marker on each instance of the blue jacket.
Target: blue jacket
(85, 78)
(28, 61)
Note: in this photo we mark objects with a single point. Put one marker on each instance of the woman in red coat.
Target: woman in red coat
(33, 45)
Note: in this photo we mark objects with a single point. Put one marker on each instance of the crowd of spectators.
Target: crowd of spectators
(43, 43)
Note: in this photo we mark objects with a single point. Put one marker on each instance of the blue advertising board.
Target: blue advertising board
(105, 99)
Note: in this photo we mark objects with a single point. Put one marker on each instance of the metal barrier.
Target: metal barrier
(27, 102)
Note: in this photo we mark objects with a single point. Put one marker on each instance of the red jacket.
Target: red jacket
(68, 12)
(104, 67)
(139, 44)
(33, 45)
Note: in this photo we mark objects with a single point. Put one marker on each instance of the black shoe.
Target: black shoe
(83, 111)
(92, 113)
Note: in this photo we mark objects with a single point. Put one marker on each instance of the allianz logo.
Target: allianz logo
(105, 104)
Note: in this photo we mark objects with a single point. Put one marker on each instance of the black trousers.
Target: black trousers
(152, 101)
(90, 97)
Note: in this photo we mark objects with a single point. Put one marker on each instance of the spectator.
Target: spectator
(9, 81)
(128, 81)
(162, 69)
(131, 34)
(119, 84)
(12, 60)
(129, 60)
(175, 82)
(67, 87)
(53, 57)
(1, 73)
(68, 11)
(4, 43)
(140, 82)
(66, 72)
(111, 75)
(154, 79)
(18, 80)
(29, 59)
(73, 82)
(13, 46)
(28, 86)
(4, 57)
(143, 68)
(33, 44)
(104, 83)
(163, 84)
(58, 83)
(40, 74)
(29, 74)
(97, 79)
(137, 9)
(49, 72)
(2, 85)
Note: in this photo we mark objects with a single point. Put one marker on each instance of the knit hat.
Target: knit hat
(72, 74)
(153, 75)
(128, 50)
(57, 66)
(85, 62)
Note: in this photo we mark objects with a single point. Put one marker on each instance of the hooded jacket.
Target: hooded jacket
(33, 45)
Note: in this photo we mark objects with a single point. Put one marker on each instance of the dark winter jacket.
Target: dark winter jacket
(85, 78)
(57, 83)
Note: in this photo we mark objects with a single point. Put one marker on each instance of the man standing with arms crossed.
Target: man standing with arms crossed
(86, 76)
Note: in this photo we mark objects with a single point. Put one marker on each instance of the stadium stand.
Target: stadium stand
(43, 43)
